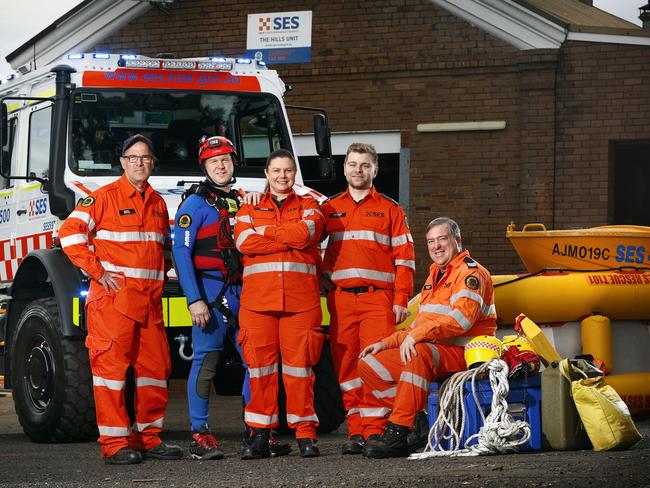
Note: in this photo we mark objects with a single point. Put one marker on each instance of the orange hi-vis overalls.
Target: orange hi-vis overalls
(453, 310)
(280, 310)
(370, 258)
(116, 229)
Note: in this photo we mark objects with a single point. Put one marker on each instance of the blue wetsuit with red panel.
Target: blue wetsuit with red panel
(208, 269)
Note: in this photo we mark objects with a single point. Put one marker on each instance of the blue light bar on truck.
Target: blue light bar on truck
(101, 56)
(128, 56)
(244, 61)
(76, 56)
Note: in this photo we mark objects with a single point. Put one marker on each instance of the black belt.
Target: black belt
(360, 289)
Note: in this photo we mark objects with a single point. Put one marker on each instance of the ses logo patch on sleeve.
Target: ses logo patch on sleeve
(472, 282)
(88, 201)
(184, 221)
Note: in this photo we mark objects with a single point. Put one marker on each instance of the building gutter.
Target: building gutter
(509, 21)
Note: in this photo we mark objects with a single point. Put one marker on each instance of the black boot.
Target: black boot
(164, 451)
(308, 448)
(393, 443)
(419, 436)
(354, 445)
(258, 446)
(126, 455)
(278, 448)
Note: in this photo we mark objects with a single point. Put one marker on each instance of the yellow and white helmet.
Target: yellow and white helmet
(482, 349)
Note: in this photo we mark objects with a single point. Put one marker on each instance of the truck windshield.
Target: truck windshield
(174, 121)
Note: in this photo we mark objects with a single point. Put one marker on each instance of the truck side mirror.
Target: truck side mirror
(322, 139)
(326, 171)
(4, 126)
(322, 136)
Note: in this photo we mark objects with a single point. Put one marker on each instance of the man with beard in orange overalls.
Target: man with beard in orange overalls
(368, 274)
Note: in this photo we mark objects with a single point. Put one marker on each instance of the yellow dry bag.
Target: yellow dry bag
(604, 414)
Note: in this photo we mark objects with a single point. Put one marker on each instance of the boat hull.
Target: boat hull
(634, 389)
(554, 297)
(597, 248)
(558, 297)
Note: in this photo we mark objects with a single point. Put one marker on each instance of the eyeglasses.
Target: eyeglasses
(133, 159)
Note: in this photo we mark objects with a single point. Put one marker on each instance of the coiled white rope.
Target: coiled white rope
(500, 433)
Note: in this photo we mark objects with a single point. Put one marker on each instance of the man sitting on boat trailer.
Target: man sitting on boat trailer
(457, 303)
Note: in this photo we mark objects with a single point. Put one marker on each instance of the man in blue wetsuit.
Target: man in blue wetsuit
(209, 271)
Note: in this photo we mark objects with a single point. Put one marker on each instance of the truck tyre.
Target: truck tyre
(52, 383)
(328, 402)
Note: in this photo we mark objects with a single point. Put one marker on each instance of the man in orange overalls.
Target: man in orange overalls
(127, 224)
(456, 304)
(368, 274)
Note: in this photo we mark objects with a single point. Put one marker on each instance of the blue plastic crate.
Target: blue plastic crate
(524, 403)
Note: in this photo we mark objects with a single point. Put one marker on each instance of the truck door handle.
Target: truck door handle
(21, 212)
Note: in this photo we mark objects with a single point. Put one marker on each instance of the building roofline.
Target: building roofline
(614, 31)
(78, 30)
(609, 38)
(525, 26)
(509, 20)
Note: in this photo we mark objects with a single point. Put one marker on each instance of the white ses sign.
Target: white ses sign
(281, 37)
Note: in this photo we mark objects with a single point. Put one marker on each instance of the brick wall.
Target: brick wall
(603, 95)
(392, 64)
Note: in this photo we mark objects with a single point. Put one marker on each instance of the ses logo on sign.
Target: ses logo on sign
(280, 37)
(279, 23)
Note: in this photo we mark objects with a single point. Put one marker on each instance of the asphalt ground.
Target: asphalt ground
(26, 464)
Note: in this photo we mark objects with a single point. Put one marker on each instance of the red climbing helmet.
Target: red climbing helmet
(215, 146)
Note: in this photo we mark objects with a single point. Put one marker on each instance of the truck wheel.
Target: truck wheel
(328, 402)
(52, 383)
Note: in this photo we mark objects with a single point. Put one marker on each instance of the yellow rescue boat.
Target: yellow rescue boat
(556, 297)
(562, 296)
(596, 248)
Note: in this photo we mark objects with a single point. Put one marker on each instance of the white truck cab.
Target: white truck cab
(61, 132)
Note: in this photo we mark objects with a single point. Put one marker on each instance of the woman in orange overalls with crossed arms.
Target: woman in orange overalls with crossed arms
(280, 314)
